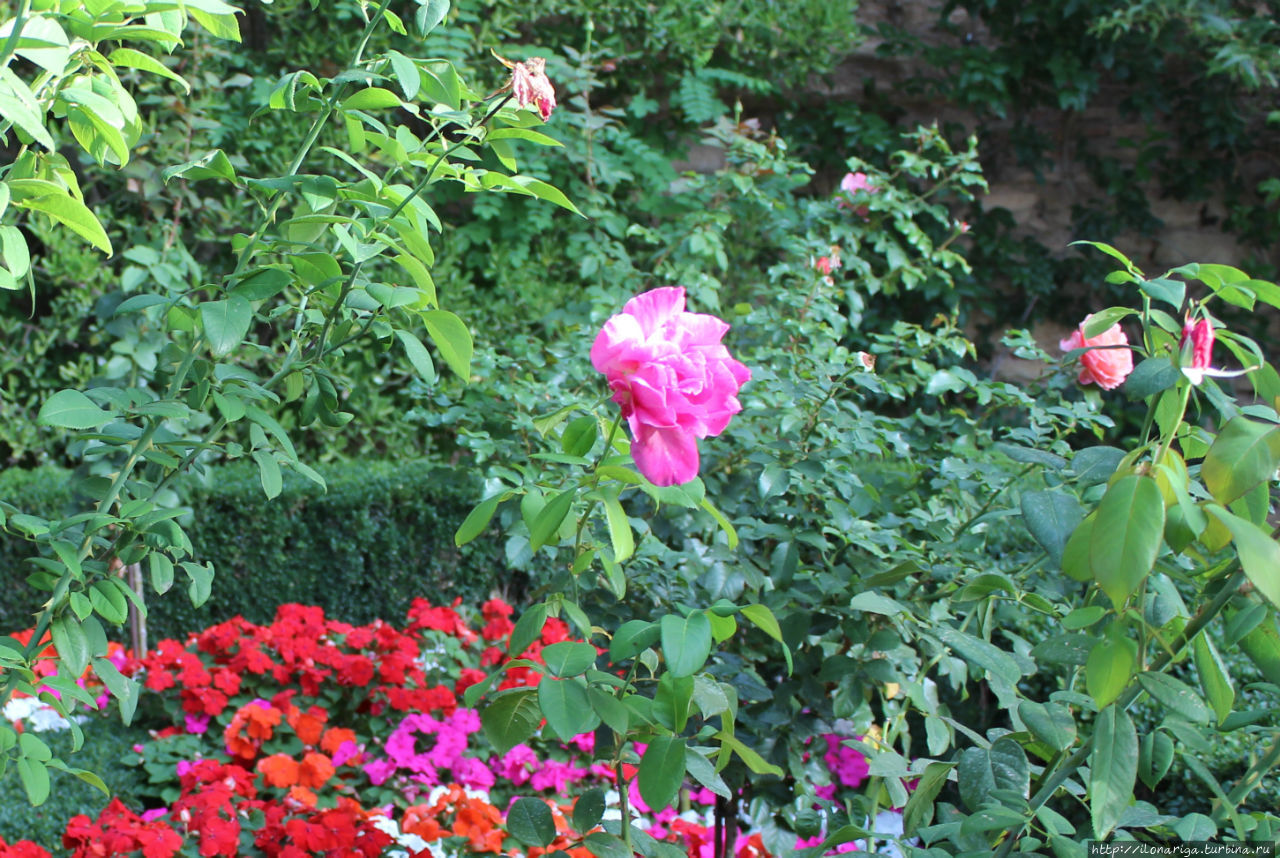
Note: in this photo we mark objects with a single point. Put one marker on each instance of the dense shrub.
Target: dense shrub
(381, 535)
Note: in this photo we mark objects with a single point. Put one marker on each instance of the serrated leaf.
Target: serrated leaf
(1051, 517)
(476, 521)
(225, 323)
(511, 718)
(529, 820)
(452, 338)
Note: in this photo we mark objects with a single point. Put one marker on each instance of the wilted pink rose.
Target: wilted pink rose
(531, 86)
(1106, 368)
(673, 378)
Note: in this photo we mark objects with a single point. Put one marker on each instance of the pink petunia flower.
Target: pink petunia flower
(673, 378)
(1105, 367)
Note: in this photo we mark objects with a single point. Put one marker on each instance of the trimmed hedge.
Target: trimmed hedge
(381, 535)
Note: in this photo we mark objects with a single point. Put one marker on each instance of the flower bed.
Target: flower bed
(310, 736)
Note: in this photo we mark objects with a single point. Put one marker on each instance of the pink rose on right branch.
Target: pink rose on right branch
(1105, 367)
(673, 379)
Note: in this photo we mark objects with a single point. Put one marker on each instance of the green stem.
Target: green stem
(1167, 441)
(11, 43)
(1250, 780)
(1194, 626)
(313, 134)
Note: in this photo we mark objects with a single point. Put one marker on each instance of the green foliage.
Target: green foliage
(106, 744)
(380, 535)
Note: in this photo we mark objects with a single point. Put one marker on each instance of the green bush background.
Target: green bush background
(381, 535)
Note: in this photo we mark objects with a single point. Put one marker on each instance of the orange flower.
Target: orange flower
(279, 770)
(423, 820)
(335, 737)
(314, 770)
(302, 796)
(308, 725)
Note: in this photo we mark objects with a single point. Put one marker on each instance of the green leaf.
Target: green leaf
(72, 644)
(73, 214)
(1111, 665)
(268, 472)
(981, 770)
(1163, 289)
(372, 98)
(686, 642)
(588, 810)
(549, 518)
(919, 809)
(527, 629)
(1214, 678)
(1051, 517)
(1151, 376)
(730, 533)
(71, 409)
(161, 571)
(1175, 696)
(1094, 465)
(631, 638)
(216, 17)
(1262, 645)
(619, 527)
(1244, 455)
(1113, 766)
(108, 602)
(201, 582)
(452, 339)
(869, 601)
(1126, 536)
(418, 356)
(529, 820)
(262, 284)
(611, 710)
(35, 779)
(980, 653)
(754, 761)
(661, 771)
(476, 521)
(704, 772)
(1051, 723)
(129, 58)
(1259, 553)
(568, 658)
(606, 846)
(764, 620)
(125, 690)
(565, 705)
(1103, 320)
(1112, 252)
(1155, 757)
(429, 15)
(510, 718)
(225, 323)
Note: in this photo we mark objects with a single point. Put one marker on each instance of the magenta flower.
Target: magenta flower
(673, 379)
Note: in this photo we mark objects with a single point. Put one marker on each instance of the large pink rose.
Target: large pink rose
(1106, 368)
(673, 378)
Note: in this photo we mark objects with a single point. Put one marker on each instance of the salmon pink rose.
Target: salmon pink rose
(1105, 367)
(673, 379)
